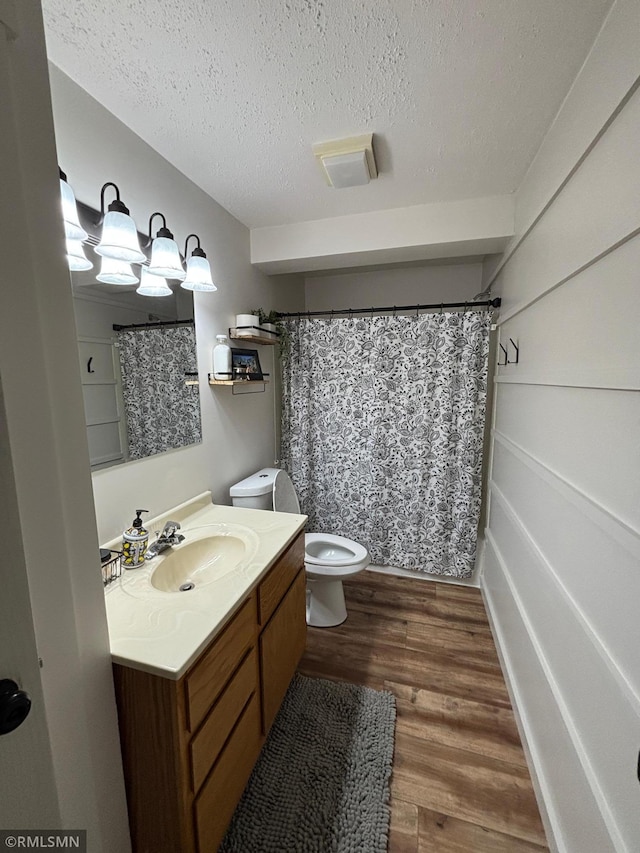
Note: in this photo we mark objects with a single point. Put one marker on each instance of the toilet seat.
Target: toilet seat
(326, 549)
(285, 498)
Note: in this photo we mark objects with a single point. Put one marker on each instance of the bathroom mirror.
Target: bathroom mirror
(140, 393)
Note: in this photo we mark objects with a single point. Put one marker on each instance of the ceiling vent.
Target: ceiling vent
(347, 162)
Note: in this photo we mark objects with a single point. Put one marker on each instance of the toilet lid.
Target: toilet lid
(325, 549)
(285, 498)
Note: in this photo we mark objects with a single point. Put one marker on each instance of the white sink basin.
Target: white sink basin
(208, 554)
(194, 564)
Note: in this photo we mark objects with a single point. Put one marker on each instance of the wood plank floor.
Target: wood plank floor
(460, 781)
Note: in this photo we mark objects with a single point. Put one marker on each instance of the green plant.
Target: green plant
(266, 316)
(274, 318)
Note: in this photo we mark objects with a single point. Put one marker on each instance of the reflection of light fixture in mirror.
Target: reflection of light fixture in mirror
(198, 269)
(165, 257)
(76, 257)
(116, 272)
(119, 236)
(153, 285)
(72, 228)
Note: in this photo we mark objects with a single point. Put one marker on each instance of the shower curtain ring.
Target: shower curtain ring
(394, 310)
(441, 307)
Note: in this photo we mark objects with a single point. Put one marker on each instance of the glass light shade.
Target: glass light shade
(120, 239)
(72, 228)
(153, 285)
(116, 272)
(76, 257)
(165, 259)
(198, 275)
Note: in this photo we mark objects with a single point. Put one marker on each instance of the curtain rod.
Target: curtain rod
(493, 303)
(118, 328)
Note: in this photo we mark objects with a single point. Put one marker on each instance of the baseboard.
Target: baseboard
(424, 576)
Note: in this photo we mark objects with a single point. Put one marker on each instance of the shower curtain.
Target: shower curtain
(161, 412)
(382, 433)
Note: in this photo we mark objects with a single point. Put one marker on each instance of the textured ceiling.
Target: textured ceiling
(234, 92)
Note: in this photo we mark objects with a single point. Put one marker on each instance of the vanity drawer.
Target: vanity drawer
(222, 790)
(206, 745)
(272, 589)
(210, 674)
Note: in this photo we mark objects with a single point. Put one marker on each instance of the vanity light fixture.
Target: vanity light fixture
(72, 228)
(119, 235)
(76, 257)
(120, 246)
(153, 285)
(116, 272)
(165, 257)
(198, 269)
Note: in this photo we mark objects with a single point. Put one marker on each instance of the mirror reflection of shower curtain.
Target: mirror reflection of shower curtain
(162, 413)
(382, 430)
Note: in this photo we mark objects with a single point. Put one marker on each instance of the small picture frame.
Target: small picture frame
(245, 364)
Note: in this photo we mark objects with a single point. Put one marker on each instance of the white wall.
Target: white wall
(561, 564)
(423, 232)
(95, 316)
(400, 286)
(238, 431)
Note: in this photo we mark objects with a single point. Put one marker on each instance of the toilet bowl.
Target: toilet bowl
(328, 559)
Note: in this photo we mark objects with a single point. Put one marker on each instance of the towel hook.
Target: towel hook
(517, 349)
(506, 357)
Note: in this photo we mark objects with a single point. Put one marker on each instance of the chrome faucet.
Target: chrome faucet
(166, 539)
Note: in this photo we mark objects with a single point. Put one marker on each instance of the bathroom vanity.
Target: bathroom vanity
(192, 723)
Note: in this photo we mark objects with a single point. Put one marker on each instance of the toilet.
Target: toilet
(328, 559)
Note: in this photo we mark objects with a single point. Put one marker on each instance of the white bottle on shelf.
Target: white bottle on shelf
(222, 359)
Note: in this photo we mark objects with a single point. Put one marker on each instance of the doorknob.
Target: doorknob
(14, 706)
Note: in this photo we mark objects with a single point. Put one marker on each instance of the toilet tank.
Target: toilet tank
(255, 491)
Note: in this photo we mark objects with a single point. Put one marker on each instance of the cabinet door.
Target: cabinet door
(219, 796)
(281, 646)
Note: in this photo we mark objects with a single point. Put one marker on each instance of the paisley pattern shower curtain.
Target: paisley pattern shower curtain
(382, 433)
(162, 413)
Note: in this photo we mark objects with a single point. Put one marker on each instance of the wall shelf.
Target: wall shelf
(254, 335)
(245, 382)
(242, 386)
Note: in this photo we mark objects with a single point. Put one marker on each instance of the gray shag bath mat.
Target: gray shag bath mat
(321, 783)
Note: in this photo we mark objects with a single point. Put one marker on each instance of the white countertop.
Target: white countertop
(164, 632)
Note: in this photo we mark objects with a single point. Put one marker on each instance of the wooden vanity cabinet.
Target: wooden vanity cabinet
(189, 746)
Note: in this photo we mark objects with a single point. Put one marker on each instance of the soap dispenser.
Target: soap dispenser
(134, 542)
(222, 359)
